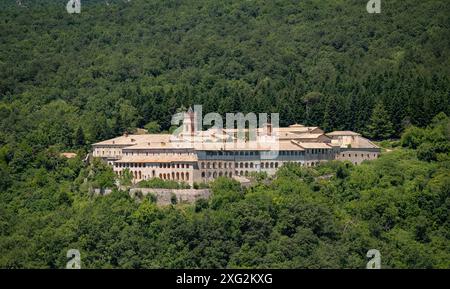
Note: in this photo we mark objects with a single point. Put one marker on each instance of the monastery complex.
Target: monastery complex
(202, 156)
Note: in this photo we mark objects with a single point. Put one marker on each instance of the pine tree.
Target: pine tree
(100, 129)
(79, 138)
(119, 126)
(330, 118)
(313, 109)
(66, 135)
(379, 127)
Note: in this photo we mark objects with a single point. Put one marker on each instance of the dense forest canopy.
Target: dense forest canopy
(67, 81)
(118, 66)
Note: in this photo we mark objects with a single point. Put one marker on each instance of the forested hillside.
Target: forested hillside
(67, 81)
(322, 217)
(324, 63)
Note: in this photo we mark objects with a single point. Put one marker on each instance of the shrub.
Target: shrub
(173, 199)
(162, 184)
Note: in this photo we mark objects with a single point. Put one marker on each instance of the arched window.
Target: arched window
(140, 175)
(203, 165)
(214, 175)
(220, 174)
(246, 165)
(187, 176)
(251, 165)
(203, 174)
(271, 165)
(178, 175)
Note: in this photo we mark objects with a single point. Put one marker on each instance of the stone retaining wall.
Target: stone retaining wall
(163, 196)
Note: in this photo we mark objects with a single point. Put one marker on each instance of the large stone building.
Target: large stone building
(201, 156)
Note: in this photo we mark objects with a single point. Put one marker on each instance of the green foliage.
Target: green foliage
(201, 204)
(173, 199)
(431, 143)
(151, 197)
(331, 115)
(326, 64)
(200, 185)
(413, 137)
(126, 177)
(162, 184)
(225, 192)
(153, 127)
(101, 174)
(380, 126)
(79, 138)
(259, 176)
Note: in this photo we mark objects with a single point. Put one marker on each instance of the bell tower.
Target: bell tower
(189, 122)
